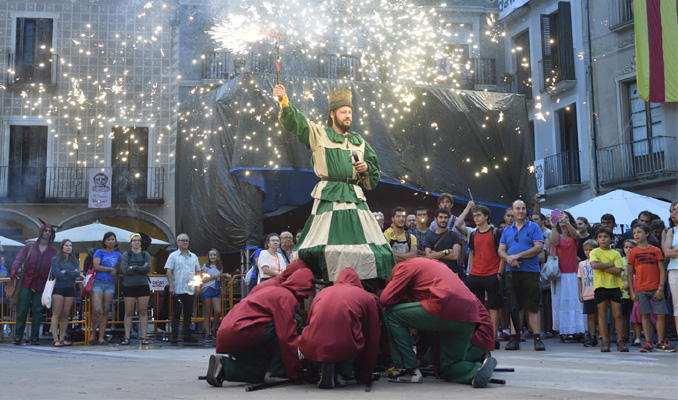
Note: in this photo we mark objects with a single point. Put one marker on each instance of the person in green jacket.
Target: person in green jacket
(136, 264)
(341, 231)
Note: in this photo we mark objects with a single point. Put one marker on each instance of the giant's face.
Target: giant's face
(342, 117)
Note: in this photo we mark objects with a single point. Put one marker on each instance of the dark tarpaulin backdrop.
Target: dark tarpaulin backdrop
(445, 141)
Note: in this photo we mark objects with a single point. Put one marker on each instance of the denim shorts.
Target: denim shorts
(210, 293)
(103, 286)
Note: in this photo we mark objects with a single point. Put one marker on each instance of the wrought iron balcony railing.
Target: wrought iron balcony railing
(70, 185)
(647, 158)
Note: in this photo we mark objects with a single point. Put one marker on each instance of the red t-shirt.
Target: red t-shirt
(567, 255)
(485, 258)
(646, 267)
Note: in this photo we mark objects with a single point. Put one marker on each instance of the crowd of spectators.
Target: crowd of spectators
(612, 287)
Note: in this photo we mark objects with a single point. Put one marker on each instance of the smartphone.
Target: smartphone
(542, 196)
(554, 216)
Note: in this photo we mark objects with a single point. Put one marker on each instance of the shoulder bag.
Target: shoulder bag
(88, 282)
(435, 246)
(551, 270)
(47, 292)
(13, 288)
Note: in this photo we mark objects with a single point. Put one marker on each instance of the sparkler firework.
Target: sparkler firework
(396, 42)
(125, 71)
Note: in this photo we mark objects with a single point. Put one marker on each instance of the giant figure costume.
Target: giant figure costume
(341, 230)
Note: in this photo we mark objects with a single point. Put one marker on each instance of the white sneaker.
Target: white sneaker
(341, 381)
(412, 375)
(269, 378)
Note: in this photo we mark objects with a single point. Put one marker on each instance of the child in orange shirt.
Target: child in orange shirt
(646, 264)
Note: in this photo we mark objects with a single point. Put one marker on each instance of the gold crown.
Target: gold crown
(340, 98)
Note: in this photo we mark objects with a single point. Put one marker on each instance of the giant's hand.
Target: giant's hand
(279, 91)
(360, 166)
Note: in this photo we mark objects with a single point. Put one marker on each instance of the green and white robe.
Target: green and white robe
(341, 231)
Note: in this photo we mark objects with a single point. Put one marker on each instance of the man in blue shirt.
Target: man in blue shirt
(520, 245)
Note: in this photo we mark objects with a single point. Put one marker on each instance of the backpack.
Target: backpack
(408, 238)
(496, 235)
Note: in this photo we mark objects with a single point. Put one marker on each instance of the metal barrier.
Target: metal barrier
(243, 289)
(84, 306)
(8, 314)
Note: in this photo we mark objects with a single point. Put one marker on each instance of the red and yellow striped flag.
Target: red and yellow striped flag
(656, 28)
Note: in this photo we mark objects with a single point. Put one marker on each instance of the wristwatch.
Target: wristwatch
(447, 251)
(500, 274)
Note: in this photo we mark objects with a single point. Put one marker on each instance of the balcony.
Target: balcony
(621, 13)
(216, 66)
(652, 158)
(470, 74)
(39, 72)
(485, 71)
(561, 169)
(69, 185)
(333, 66)
(556, 73)
(261, 63)
(520, 83)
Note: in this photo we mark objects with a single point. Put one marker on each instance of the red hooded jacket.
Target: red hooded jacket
(279, 279)
(37, 265)
(435, 286)
(245, 324)
(343, 320)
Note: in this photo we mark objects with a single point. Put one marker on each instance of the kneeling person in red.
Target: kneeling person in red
(260, 335)
(426, 295)
(343, 332)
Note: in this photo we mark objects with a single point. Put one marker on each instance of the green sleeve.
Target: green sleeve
(373, 172)
(294, 122)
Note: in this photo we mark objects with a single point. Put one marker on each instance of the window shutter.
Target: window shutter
(547, 56)
(562, 126)
(565, 46)
(20, 47)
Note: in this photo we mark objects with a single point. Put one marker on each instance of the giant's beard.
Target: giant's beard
(342, 127)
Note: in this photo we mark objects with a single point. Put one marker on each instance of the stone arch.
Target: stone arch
(93, 215)
(20, 218)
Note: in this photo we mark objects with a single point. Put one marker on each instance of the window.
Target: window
(637, 111)
(216, 66)
(262, 63)
(460, 65)
(647, 147)
(621, 13)
(562, 168)
(521, 45)
(32, 60)
(130, 163)
(533, 136)
(343, 66)
(569, 143)
(557, 62)
(27, 163)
